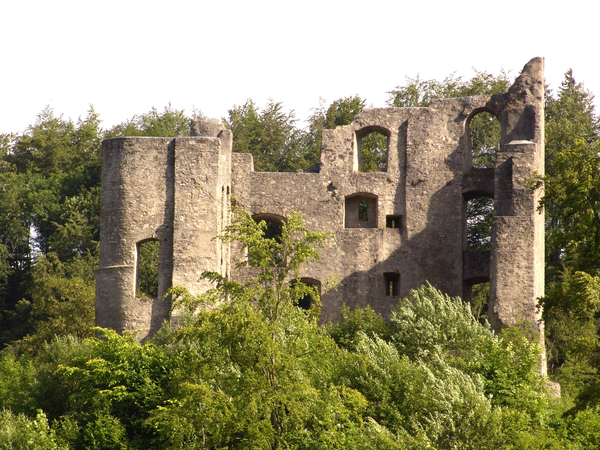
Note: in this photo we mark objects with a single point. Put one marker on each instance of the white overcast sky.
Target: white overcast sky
(124, 57)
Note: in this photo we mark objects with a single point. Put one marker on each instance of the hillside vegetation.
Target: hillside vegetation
(258, 372)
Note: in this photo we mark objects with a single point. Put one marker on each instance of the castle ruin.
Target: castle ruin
(395, 229)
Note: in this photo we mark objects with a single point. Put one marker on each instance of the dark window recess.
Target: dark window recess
(392, 221)
(363, 211)
(392, 284)
(306, 301)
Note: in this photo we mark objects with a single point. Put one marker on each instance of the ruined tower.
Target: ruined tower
(395, 228)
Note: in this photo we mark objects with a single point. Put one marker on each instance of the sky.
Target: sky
(125, 57)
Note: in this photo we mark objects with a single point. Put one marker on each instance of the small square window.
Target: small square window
(393, 221)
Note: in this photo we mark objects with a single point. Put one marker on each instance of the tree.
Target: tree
(418, 93)
(572, 206)
(62, 300)
(50, 177)
(270, 135)
(436, 376)
(148, 269)
(21, 433)
(271, 387)
(571, 181)
(170, 123)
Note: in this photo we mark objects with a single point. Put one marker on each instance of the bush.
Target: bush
(19, 432)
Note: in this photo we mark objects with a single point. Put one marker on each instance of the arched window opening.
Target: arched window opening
(147, 268)
(480, 211)
(273, 229)
(308, 297)
(391, 283)
(372, 145)
(361, 211)
(484, 129)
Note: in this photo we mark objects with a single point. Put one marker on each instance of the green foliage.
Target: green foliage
(20, 432)
(480, 211)
(421, 93)
(485, 139)
(258, 364)
(170, 123)
(373, 150)
(479, 301)
(570, 201)
(570, 309)
(17, 380)
(355, 323)
(438, 378)
(342, 111)
(571, 182)
(50, 179)
(408, 397)
(270, 135)
(62, 299)
(430, 326)
(279, 261)
(584, 428)
(429, 321)
(573, 197)
(102, 390)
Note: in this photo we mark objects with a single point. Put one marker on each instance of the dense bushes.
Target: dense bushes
(431, 377)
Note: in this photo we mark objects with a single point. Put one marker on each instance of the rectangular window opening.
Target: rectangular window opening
(392, 284)
(393, 221)
(147, 269)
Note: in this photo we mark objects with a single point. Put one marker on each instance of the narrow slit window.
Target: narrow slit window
(363, 211)
(391, 282)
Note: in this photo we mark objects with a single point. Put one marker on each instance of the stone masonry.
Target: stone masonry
(394, 229)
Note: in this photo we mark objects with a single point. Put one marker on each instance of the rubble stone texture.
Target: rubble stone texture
(411, 228)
